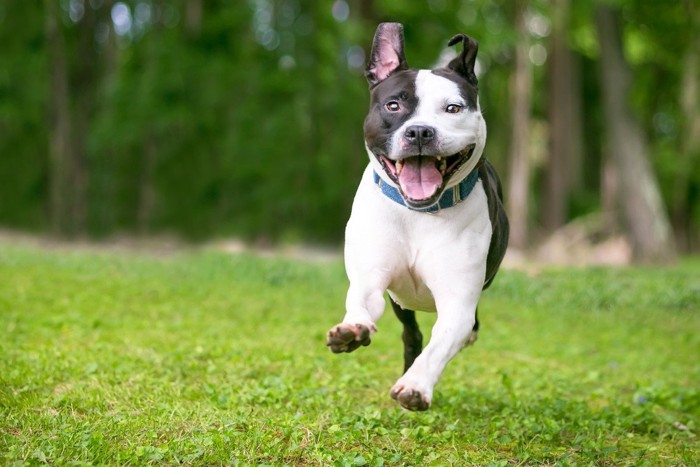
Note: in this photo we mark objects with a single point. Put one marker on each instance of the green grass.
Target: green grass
(206, 358)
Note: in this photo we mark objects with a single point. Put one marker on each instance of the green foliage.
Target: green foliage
(23, 136)
(204, 358)
(249, 122)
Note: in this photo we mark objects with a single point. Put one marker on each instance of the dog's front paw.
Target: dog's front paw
(409, 397)
(346, 337)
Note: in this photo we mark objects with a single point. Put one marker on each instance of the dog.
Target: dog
(427, 222)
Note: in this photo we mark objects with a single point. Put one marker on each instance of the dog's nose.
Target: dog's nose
(419, 134)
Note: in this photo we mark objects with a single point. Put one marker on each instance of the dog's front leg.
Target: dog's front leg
(364, 306)
(451, 332)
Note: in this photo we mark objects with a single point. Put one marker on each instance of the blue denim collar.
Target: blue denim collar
(449, 198)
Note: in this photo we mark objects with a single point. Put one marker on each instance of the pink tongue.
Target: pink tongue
(419, 178)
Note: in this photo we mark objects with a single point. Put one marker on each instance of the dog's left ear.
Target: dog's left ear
(464, 63)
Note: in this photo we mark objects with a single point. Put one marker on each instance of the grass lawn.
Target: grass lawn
(208, 358)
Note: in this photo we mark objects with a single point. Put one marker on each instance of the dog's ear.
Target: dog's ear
(464, 63)
(387, 54)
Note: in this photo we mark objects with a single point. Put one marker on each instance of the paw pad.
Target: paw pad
(347, 337)
(410, 399)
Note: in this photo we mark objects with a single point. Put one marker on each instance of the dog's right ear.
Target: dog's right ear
(387, 54)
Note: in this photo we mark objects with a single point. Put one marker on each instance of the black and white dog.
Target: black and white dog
(427, 223)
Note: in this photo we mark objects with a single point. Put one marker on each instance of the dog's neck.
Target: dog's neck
(450, 197)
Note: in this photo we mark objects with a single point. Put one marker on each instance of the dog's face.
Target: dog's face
(424, 130)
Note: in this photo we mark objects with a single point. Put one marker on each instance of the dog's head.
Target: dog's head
(424, 130)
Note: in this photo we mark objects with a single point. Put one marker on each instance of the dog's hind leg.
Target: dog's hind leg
(412, 337)
(475, 330)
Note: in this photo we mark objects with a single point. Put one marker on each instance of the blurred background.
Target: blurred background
(243, 119)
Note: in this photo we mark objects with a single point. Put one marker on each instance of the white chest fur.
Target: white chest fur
(413, 254)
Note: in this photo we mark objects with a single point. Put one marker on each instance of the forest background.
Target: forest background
(244, 118)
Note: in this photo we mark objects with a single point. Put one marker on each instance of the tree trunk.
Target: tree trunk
(60, 128)
(610, 193)
(103, 181)
(86, 86)
(151, 137)
(147, 192)
(193, 17)
(689, 151)
(563, 169)
(643, 211)
(519, 168)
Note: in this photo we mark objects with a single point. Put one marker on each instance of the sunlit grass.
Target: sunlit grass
(207, 358)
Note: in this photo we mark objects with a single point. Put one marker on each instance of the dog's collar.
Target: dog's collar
(449, 198)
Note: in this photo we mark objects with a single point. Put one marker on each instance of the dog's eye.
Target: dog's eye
(392, 106)
(453, 108)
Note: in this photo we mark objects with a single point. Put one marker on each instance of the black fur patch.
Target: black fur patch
(381, 124)
(499, 221)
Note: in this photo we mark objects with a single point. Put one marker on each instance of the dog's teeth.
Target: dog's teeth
(443, 165)
(439, 158)
(399, 166)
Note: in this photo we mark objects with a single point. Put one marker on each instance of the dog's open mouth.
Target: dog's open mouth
(422, 179)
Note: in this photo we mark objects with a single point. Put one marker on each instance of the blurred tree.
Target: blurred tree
(63, 176)
(24, 68)
(641, 201)
(563, 170)
(686, 216)
(655, 36)
(245, 118)
(519, 156)
(75, 81)
(193, 17)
